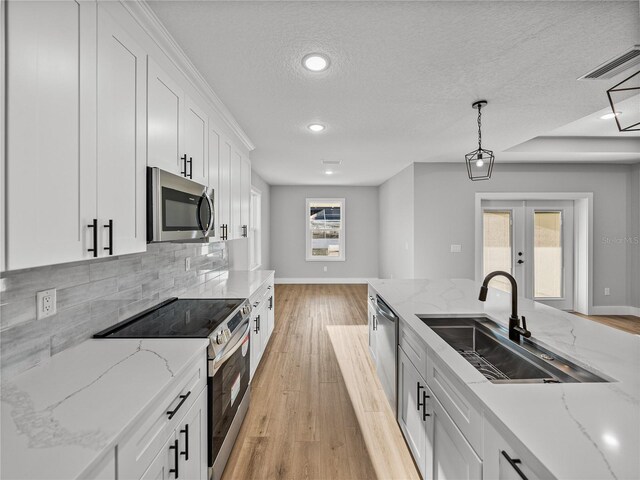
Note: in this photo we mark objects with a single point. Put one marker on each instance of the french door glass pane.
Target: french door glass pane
(547, 251)
(496, 243)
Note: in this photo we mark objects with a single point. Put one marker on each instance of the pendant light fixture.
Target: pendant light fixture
(480, 161)
(627, 121)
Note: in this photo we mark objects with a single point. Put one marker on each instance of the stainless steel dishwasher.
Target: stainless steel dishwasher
(386, 326)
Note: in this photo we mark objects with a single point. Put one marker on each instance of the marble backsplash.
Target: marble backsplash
(93, 295)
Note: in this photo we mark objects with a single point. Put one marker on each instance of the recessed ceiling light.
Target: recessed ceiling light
(315, 62)
(609, 115)
(316, 127)
(328, 172)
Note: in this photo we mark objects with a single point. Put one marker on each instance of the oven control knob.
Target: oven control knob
(220, 338)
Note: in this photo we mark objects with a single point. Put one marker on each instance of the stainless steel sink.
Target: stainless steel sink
(486, 346)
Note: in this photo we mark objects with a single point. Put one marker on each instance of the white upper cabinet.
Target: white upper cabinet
(121, 164)
(164, 114)
(235, 227)
(224, 187)
(214, 174)
(50, 132)
(245, 195)
(195, 141)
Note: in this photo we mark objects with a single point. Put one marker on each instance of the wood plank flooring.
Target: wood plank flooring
(317, 410)
(627, 323)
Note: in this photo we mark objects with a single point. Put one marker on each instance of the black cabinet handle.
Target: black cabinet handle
(183, 172)
(176, 457)
(424, 406)
(223, 231)
(244, 231)
(514, 463)
(520, 262)
(271, 302)
(257, 329)
(110, 227)
(374, 321)
(94, 225)
(190, 167)
(419, 388)
(186, 442)
(183, 398)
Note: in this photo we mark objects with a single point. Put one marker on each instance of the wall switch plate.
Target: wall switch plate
(187, 264)
(325, 269)
(46, 304)
(607, 291)
(456, 248)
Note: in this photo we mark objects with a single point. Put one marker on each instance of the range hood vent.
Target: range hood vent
(616, 65)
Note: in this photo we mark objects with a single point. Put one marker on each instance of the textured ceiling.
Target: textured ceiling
(402, 79)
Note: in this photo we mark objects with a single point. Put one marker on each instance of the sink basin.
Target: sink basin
(486, 346)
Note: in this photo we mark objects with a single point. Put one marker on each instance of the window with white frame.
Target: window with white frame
(325, 229)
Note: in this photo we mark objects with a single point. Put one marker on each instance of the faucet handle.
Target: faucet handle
(526, 333)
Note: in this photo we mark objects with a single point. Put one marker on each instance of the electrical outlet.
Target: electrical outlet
(46, 303)
(187, 264)
(607, 291)
(325, 269)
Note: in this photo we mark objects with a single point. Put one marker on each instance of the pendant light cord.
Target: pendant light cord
(479, 127)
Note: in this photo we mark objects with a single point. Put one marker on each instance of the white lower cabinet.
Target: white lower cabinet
(262, 322)
(503, 461)
(453, 456)
(161, 467)
(412, 413)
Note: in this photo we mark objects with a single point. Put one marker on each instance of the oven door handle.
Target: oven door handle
(224, 355)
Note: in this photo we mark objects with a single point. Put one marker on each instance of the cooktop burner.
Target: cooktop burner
(175, 318)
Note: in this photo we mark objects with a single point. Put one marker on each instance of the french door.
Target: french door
(533, 241)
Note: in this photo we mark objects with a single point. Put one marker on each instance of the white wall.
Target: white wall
(444, 214)
(633, 245)
(265, 189)
(288, 223)
(396, 255)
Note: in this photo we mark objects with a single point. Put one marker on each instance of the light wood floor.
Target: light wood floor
(628, 323)
(317, 410)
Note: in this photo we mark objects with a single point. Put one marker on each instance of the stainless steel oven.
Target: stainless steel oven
(229, 393)
(178, 208)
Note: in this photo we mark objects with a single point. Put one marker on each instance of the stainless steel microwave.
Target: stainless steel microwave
(178, 208)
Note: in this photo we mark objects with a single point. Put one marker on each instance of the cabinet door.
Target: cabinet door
(271, 313)
(245, 195)
(453, 457)
(164, 464)
(411, 409)
(502, 461)
(258, 335)
(235, 227)
(195, 140)
(121, 161)
(50, 131)
(214, 174)
(192, 440)
(224, 185)
(164, 114)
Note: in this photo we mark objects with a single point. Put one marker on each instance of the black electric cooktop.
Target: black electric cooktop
(175, 318)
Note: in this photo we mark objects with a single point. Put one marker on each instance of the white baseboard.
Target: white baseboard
(614, 310)
(321, 280)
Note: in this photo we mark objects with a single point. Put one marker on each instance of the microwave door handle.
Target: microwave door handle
(212, 217)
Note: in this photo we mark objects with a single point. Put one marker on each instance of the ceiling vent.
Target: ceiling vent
(616, 65)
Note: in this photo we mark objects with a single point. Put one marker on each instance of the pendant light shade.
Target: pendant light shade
(480, 161)
(627, 120)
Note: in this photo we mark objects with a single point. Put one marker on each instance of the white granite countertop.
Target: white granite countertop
(577, 430)
(235, 284)
(59, 418)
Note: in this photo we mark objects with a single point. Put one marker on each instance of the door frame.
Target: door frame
(583, 238)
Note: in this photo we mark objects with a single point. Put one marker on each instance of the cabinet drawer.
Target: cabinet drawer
(414, 347)
(261, 295)
(448, 390)
(146, 437)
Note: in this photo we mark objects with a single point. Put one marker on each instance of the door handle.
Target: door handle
(190, 168)
(374, 322)
(185, 430)
(176, 457)
(256, 322)
(424, 406)
(94, 225)
(183, 172)
(520, 262)
(514, 464)
(109, 225)
(420, 387)
(183, 398)
(244, 231)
